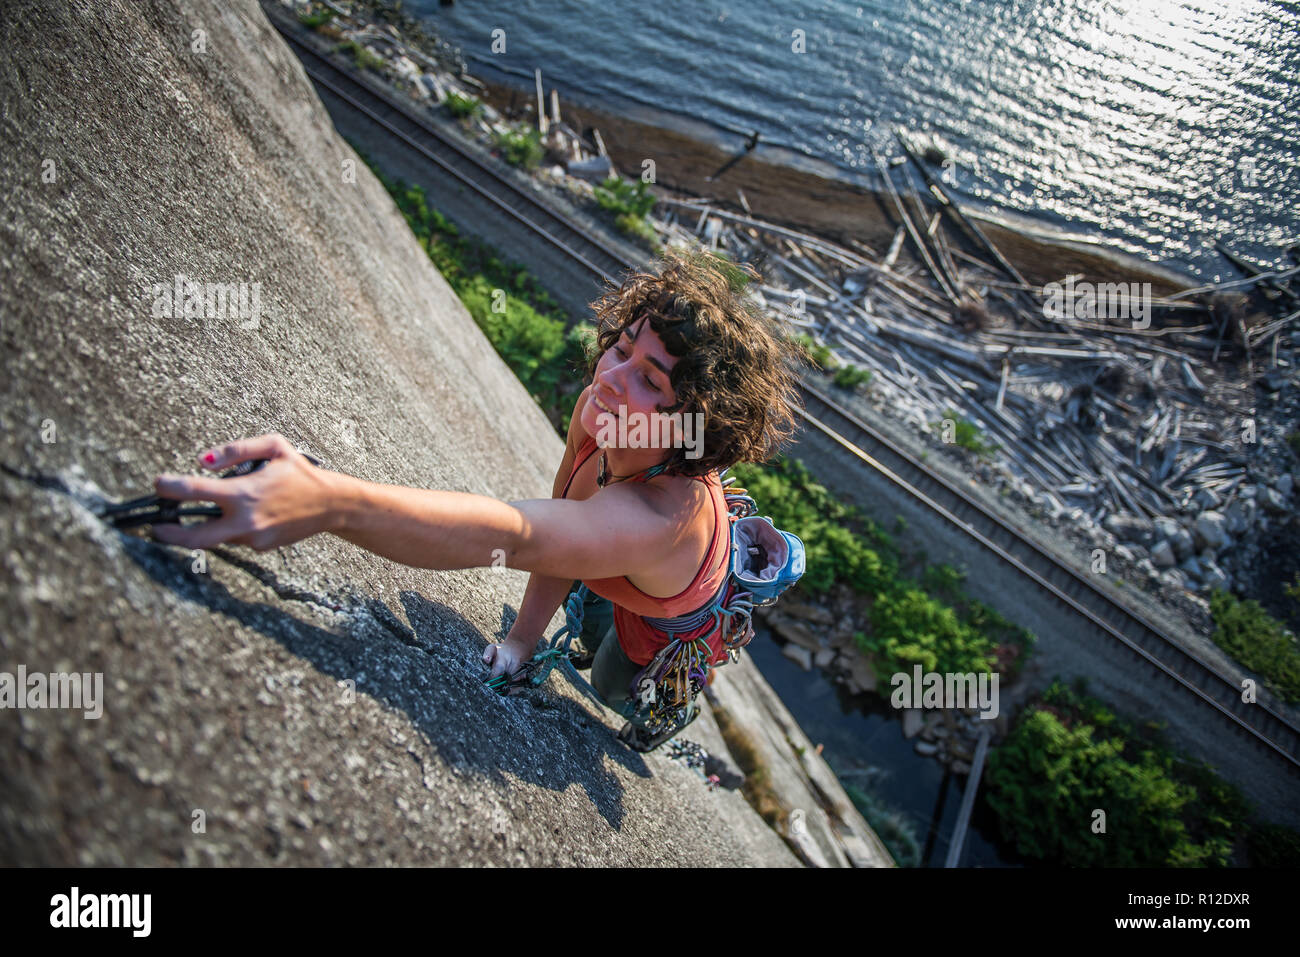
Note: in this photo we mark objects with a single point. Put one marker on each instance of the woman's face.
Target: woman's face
(631, 383)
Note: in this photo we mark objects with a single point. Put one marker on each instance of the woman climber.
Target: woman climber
(636, 511)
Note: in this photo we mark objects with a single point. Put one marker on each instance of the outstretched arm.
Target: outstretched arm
(610, 534)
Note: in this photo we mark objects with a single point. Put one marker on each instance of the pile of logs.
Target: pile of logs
(1102, 417)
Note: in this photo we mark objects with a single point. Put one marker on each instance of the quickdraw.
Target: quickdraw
(156, 510)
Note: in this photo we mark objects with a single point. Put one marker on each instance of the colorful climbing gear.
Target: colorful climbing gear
(765, 561)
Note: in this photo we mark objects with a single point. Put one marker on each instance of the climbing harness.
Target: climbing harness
(156, 510)
(765, 561)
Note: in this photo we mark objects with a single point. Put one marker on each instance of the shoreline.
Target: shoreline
(809, 194)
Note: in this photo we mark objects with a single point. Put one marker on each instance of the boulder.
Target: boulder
(1173, 578)
(1285, 484)
(807, 612)
(842, 640)
(1206, 498)
(1240, 516)
(824, 658)
(913, 719)
(1162, 555)
(1211, 530)
(800, 656)
(927, 749)
(1214, 576)
(1183, 544)
(1272, 501)
(863, 673)
(1166, 527)
(795, 632)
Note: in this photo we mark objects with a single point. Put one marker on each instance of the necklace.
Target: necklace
(602, 476)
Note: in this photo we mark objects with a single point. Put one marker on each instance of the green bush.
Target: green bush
(313, 20)
(365, 58)
(522, 149)
(629, 203)
(967, 434)
(620, 196)
(1272, 845)
(463, 106)
(850, 377)
(908, 625)
(1257, 640)
(818, 355)
(1068, 756)
(639, 229)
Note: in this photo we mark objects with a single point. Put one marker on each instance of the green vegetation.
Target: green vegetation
(1258, 641)
(463, 106)
(818, 355)
(313, 20)
(850, 377)
(736, 277)
(1068, 756)
(629, 203)
(930, 623)
(522, 149)
(365, 58)
(517, 315)
(1292, 590)
(843, 375)
(966, 434)
(1272, 845)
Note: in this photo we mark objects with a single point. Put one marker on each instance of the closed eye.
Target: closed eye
(623, 355)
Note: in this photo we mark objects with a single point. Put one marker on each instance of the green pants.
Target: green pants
(611, 671)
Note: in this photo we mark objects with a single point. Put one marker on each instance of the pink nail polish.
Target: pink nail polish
(210, 457)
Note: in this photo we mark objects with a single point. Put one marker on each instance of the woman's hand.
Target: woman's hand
(286, 500)
(509, 656)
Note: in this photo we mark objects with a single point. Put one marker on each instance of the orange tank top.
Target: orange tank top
(639, 641)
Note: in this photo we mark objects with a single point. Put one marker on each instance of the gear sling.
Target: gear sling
(764, 562)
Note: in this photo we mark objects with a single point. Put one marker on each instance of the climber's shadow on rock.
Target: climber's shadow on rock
(432, 671)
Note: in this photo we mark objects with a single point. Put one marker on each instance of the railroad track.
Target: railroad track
(368, 97)
(1134, 636)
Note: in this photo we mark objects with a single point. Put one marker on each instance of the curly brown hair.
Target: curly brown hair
(733, 364)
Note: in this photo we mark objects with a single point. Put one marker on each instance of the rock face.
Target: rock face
(314, 704)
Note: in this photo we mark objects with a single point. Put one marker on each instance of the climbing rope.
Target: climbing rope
(559, 651)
